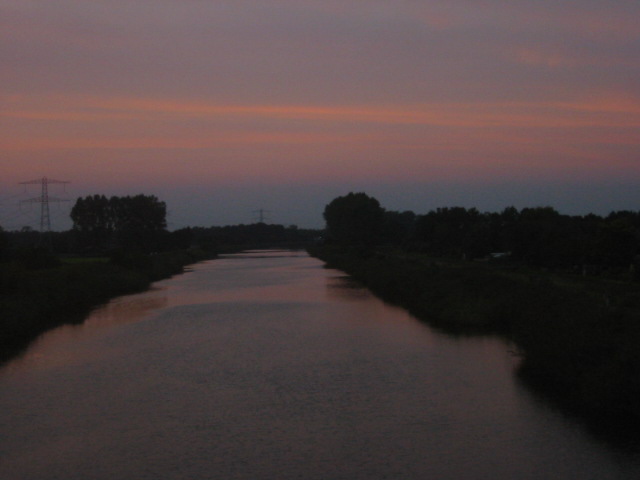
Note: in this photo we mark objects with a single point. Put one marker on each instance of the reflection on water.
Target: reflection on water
(345, 288)
(127, 309)
(266, 254)
(267, 365)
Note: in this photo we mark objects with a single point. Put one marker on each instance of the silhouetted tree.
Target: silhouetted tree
(137, 222)
(180, 239)
(93, 221)
(398, 227)
(454, 231)
(4, 245)
(354, 219)
(544, 238)
(616, 244)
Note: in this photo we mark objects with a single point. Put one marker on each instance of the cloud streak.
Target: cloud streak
(622, 112)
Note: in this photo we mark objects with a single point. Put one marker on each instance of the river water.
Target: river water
(265, 365)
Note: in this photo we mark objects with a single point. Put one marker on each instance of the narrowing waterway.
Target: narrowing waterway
(265, 365)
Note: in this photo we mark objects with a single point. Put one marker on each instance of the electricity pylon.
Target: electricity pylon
(44, 199)
(262, 217)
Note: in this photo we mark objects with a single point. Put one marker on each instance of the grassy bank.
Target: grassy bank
(33, 300)
(578, 337)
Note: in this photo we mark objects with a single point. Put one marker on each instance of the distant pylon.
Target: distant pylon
(43, 200)
(261, 215)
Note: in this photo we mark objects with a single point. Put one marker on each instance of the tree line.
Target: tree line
(536, 236)
(137, 225)
(133, 222)
(255, 235)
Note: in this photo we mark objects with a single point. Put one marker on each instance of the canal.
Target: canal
(266, 365)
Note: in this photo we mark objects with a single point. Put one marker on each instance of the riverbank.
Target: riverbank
(33, 300)
(578, 338)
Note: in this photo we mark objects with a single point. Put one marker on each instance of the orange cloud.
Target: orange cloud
(477, 114)
(579, 129)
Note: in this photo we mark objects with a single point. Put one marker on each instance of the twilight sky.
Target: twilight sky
(224, 107)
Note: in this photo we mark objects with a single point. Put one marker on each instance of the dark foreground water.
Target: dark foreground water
(267, 366)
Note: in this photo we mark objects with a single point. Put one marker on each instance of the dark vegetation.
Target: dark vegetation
(564, 289)
(117, 245)
(538, 237)
(247, 237)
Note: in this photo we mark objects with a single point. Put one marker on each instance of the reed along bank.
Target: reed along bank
(578, 338)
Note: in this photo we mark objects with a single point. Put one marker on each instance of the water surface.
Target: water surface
(268, 366)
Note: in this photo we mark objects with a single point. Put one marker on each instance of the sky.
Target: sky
(222, 108)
